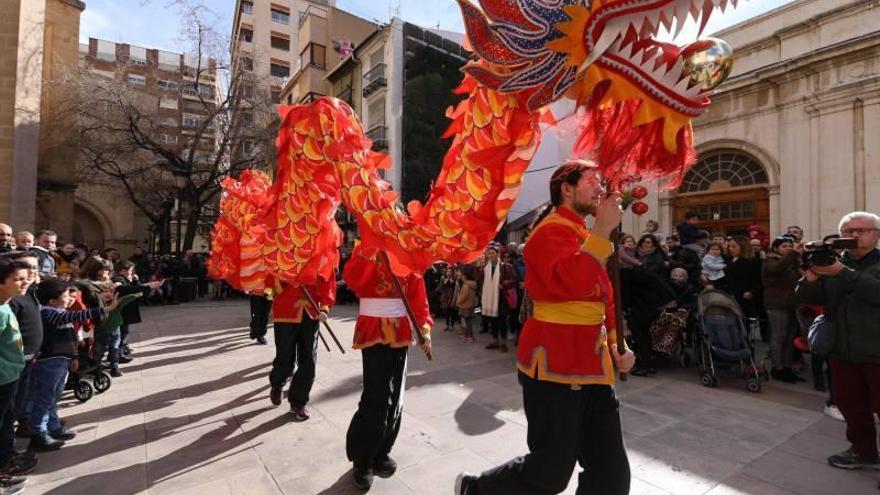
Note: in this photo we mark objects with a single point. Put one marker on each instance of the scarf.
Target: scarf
(491, 285)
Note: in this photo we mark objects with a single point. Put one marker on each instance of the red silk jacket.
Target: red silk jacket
(289, 302)
(567, 338)
(370, 278)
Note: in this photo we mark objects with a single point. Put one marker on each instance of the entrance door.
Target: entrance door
(729, 191)
(728, 213)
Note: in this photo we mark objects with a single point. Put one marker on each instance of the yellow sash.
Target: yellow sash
(570, 312)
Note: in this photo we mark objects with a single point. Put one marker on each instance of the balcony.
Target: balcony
(379, 135)
(374, 79)
(346, 95)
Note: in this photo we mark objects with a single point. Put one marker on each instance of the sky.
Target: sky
(155, 23)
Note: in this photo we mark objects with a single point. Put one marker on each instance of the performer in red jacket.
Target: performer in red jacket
(296, 345)
(383, 333)
(568, 350)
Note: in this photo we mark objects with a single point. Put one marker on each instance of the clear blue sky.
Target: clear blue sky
(153, 24)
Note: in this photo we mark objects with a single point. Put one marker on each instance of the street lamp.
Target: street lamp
(180, 177)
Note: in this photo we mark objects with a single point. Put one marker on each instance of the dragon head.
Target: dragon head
(599, 52)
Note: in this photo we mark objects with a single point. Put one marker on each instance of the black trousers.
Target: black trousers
(7, 420)
(564, 426)
(376, 422)
(497, 325)
(260, 309)
(296, 347)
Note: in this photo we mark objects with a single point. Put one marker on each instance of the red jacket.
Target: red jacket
(370, 278)
(567, 338)
(289, 302)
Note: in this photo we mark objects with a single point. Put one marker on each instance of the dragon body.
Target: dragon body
(637, 97)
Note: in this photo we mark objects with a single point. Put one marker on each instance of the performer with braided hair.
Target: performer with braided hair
(383, 333)
(568, 350)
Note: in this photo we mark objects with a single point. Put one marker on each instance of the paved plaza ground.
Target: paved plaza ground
(192, 415)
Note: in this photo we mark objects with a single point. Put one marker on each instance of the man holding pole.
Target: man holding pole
(296, 346)
(568, 350)
(389, 307)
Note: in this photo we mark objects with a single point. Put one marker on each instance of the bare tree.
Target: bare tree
(127, 139)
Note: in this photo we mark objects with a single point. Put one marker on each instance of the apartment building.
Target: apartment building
(265, 40)
(327, 35)
(399, 79)
(175, 93)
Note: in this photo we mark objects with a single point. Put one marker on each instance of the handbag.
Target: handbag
(821, 335)
(511, 297)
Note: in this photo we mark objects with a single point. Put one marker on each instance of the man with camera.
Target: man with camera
(849, 290)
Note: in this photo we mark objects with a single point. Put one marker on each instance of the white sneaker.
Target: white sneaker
(833, 412)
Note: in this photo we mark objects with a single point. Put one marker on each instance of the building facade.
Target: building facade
(793, 135)
(40, 39)
(175, 93)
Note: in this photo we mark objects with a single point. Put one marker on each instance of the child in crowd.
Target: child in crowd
(467, 301)
(628, 257)
(713, 267)
(107, 332)
(50, 370)
(13, 282)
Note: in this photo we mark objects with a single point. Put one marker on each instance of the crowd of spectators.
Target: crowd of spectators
(66, 308)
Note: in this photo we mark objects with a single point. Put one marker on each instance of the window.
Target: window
(247, 147)
(137, 80)
(190, 120)
(314, 55)
(727, 211)
(376, 113)
(279, 70)
(247, 8)
(280, 16)
(169, 102)
(280, 43)
(722, 170)
(164, 85)
(137, 55)
(246, 35)
(106, 51)
(247, 63)
(168, 122)
(247, 91)
(196, 89)
(377, 57)
(169, 61)
(168, 139)
(276, 97)
(247, 119)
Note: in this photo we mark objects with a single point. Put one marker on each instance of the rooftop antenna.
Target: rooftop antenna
(393, 9)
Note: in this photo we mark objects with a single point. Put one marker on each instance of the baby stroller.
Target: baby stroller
(723, 338)
(89, 379)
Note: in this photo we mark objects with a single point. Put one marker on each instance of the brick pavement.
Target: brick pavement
(191, 415)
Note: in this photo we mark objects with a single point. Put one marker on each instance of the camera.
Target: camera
(824, 253)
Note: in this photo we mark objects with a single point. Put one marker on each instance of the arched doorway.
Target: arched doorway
(87, 228)
(729, 189)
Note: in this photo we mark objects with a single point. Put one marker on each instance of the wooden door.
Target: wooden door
(727, 212)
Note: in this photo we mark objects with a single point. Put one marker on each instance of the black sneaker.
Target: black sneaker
(384, 467)
(115, 373)
(465, 484)
(262, 340)
(299, 413)
(20, 464)
(45, 443)
(275, 396)
(63, 434)
(362, 477)
(850, 460)
(125, 359)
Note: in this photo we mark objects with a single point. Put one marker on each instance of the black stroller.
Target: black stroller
(89, 379)
(724, 340)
